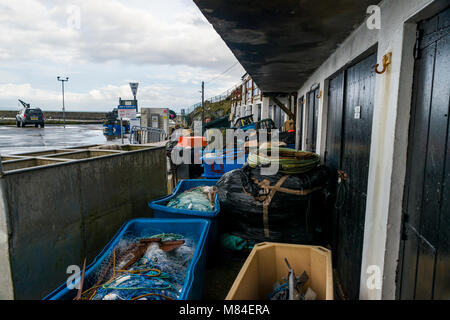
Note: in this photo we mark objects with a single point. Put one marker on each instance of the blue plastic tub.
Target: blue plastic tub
(212, 167)
(195, 229)
(160, 210)
(291, 146)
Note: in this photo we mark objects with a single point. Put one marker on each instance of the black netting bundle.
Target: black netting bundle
(287, 137)
(292, 218)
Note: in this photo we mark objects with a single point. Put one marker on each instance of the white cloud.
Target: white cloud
(109, 30)
(101, 99)
(167, 46)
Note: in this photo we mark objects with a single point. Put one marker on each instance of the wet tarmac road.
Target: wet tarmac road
(15, 140)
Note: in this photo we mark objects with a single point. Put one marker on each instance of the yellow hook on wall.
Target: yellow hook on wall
(320, 95)
(387, 60)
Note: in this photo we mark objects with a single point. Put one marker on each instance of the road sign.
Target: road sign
(134, 86)
(127, 111)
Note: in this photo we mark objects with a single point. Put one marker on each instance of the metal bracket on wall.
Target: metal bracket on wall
(387, 60)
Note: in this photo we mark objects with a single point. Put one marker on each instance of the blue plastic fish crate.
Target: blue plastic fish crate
(160, 209)
(230, 161)
(195, 229)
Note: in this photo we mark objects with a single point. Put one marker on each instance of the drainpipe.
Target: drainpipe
(6, 284)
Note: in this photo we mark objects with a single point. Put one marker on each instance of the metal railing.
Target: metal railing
(217, 98)
(141, 135)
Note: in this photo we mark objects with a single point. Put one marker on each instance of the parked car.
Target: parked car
(30, 116)
(245, 123)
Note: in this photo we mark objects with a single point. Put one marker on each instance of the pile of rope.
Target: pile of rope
(289, 161)
(155, 274)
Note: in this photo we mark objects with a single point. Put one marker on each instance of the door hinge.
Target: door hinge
(417, 45)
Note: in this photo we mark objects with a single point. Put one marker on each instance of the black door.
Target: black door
(425, 247)
(348, 149)
(333, 147)
(313, 115)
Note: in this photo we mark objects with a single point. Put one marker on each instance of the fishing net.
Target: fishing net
(155, 274)
(197, 199)
(288, 161)
(291, 218)
(287, 137)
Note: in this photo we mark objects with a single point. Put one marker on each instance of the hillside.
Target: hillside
(213, 111)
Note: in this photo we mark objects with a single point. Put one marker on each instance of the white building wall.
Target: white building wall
(255, 112)
(247, 106)
(163, 113)
(265, 108)
(389, 133)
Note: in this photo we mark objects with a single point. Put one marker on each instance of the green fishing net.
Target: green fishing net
(196, 199)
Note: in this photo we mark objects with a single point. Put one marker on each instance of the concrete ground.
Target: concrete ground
(12, 122)
(15, 140)
(220, 276)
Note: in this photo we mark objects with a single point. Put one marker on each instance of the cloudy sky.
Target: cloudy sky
(102, 45)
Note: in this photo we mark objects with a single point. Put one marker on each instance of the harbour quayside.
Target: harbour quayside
(222, 158)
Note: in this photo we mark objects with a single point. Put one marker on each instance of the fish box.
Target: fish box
(266, 266)
(160, 209)
(194, 229)
(216, 165)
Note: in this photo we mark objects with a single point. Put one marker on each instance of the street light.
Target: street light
(64, 107)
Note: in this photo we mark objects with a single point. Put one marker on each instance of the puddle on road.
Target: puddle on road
(15, 140)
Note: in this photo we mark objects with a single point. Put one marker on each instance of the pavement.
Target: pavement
(15, 140)
(220, 276)
(12, 121)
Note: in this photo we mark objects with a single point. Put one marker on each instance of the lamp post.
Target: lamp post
(64, 107)
(203, 102)
(134, 87)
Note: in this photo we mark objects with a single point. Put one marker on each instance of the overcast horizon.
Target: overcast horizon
(168, 47)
